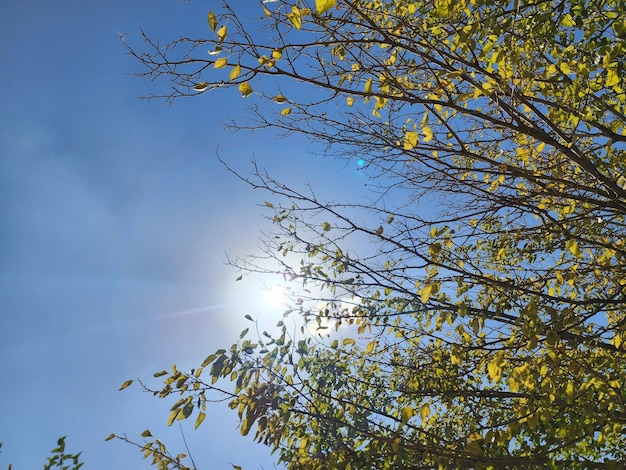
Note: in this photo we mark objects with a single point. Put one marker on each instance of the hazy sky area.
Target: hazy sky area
(116, 217)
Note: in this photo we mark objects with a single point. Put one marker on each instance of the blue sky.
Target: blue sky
(116, 217)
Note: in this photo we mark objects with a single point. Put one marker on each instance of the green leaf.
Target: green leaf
(187, 410)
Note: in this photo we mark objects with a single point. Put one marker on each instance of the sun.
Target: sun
(276, 297)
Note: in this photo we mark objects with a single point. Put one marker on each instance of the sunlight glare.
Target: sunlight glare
(276, 297)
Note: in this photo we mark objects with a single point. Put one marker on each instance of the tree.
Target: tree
(486, 325)
(59, 459)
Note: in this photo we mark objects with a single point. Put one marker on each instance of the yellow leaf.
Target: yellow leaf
(245, 89)
(295, 17)
(285, 112)
(220, 63)
(109, 437)
(425, 293)
(221, 33)
(199, 419)
(235, 72)
(494, 368)
(350, 100)
(208, 360)
(407, 413)
(212, 21)
(411, 140)
(488, 86)
(245, 426)
(146, 433)
(324, 5)
(572, 246)
(428, 133)
(201, 86)
(326, 226)
(425, 411)
(368, 85)
(395, 445)
(173, 416)
(434, 249)
(269, 204)
(280, 99)
(559, 277)
(348, 341)
(126, 384)
(612, 77)
(567, 20)
(379, 231)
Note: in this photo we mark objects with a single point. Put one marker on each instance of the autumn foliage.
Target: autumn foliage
(474, 316)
